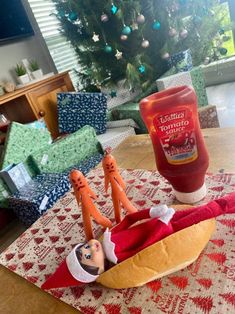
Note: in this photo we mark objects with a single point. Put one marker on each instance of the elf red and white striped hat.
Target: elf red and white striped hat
(69, 273)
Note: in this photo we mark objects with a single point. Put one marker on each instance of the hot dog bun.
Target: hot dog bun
(169, 255)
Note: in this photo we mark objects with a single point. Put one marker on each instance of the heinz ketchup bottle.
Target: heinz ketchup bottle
(181, 156)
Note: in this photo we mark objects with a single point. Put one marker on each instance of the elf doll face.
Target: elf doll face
(93, 255)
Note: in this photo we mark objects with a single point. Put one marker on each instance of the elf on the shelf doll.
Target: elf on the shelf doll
(87, 260)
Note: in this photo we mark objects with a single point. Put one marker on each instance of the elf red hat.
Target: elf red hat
(69, 273)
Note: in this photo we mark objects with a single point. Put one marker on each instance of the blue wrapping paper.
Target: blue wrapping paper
(76, 110)
(36, 197)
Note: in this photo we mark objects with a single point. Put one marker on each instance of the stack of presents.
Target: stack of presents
(34, 168)
(181, 72)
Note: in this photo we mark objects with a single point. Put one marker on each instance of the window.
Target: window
(228, 9)
(61, 51)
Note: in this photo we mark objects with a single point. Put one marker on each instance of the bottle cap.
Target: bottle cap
(192, 197)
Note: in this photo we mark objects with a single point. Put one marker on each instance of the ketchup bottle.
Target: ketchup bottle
(180, 152)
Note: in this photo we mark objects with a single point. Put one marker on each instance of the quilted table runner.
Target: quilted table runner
(207, 286)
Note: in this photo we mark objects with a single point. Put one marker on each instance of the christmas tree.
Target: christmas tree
(132, 39)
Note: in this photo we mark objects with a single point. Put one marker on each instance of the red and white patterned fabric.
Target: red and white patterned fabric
(207, 286)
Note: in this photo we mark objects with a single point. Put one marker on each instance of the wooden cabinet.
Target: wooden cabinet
(35, 100)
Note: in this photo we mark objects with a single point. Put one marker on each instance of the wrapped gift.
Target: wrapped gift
(219, 72)
(113, 137)
(109, 115)
(86, 165)
(122, 123)
(44, 190)
(76, 110)
(37, 196)
(181, 61)
(194, 78)
(119, 95)
(66, 152)
(15, 176)
(4, 193)
(130, 111)
(208, 117)
(38, 124)
(21, 141)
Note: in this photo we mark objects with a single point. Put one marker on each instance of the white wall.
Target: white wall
(33, 47)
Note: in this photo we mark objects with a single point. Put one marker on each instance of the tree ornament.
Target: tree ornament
(104, 18)
(172, 32)
(142, 69)
(140, 19)
(156, 25)
(73, 16)
(114, 9)
(108, 48)
(221, 31)
(61, 13)
(124, 37)
(212, 13)
(95, 37)
(184, 34)
(145, 43)
(226, 38)
(206, 61)
(198, 35)
(197, 19)
(223, 51)
(118, 55)
(165, 56)
(126, 30)
(134, 26)
(113, 93)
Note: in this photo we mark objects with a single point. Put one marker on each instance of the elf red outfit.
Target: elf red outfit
(123, 242)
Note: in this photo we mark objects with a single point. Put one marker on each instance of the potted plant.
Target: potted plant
(21, 72)
(35, 69)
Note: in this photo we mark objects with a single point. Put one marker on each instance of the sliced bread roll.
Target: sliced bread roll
(169, 255)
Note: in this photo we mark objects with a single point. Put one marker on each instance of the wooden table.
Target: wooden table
(19, 296)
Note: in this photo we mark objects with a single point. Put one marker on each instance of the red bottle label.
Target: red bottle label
(176, 132)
